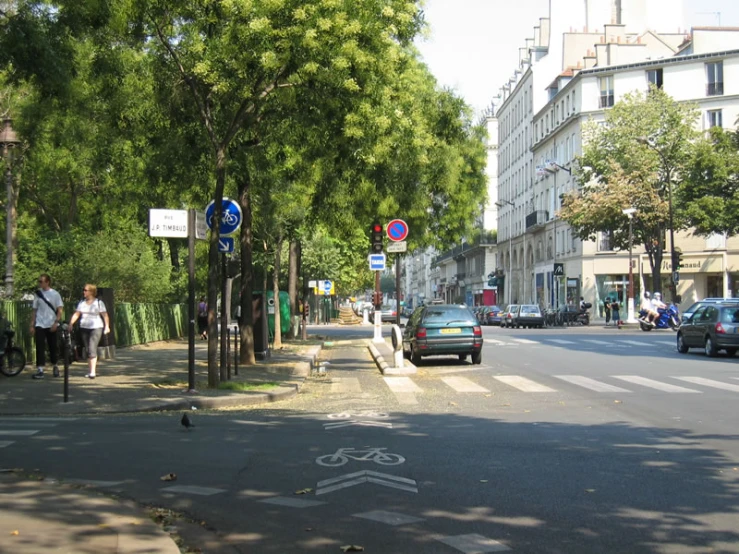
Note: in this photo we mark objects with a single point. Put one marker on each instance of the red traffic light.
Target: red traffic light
(377, 228)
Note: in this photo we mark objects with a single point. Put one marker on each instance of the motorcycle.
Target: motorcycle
(583, 316)
(668, 319)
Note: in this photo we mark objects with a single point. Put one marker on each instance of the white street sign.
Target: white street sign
(201, 225)
(377, 262)
(168, 223)
(397, 247)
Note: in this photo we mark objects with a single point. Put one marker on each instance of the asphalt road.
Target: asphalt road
(575, 440)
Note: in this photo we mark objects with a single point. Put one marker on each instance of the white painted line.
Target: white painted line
(406, 398)
(589, 383)
(342, 485)
(561, 341)
(4, 444)
(652, 384)
(462, 384)
(194, 489)
(525, 341)
(636, 343)
(18, 432)
(292, 502)
(27, 424)
(495, 342)
(389, 518)
(94, 483)
(392, 484)
(346, 385)
(474, 544)
(402, 384)
(710, 383)
(367, 476)
(57, 419)
(600, 342)
(339, 424)
(523, 384)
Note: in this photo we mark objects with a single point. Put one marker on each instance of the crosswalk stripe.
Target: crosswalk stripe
(496, 342)
(462, 384)
(525, 341)
(710, 383)
(562, 341)
(3, 444)
(523, 384)
(652, 384)
(18, 432)
(600, 342)
(591, 384)
(345, 385)
(32, 419)
(636, 343)
(402, 384)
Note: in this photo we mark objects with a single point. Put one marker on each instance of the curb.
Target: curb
(385, 368)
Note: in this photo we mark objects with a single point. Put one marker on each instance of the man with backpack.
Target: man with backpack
(45, 320)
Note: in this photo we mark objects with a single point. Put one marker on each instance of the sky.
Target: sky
(472, 45)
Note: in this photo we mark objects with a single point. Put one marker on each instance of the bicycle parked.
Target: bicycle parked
(12, 358)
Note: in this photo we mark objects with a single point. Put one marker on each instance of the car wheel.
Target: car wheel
(731, 352)
(462, 357)
(710, 348)
(477, 358)
(681, 346)
(415, 356)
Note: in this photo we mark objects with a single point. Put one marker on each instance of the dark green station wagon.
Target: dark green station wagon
(443, 329)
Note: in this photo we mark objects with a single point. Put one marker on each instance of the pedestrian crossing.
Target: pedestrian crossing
(668, 341)
(13, 429)
(406, 389)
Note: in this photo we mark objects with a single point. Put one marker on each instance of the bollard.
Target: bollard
(228, 354)
(66, 352)
(236, 349)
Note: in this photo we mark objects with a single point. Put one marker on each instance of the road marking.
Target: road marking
(525, 341)
(710, 383)
(18, 432)
(389, 518)
(366, 476)
(94, 483)
(523, 384)
(462, 384)
(495, 342)
(474, 544)
(561, 341)
(4, 444)
(589, 383)
(56, 419)
(600, 342)
(292, 502)
(194, 489)
(636, 343)
(339, 424)
(345, 385)
(653, 384)
(402, 384)
(7, 423)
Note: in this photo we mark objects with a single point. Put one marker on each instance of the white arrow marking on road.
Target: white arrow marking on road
(525, 341)
(18, 432)
(3, 444)
(366, 476)
(338, 424)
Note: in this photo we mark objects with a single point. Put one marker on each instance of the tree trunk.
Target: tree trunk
(174, 257)
(246, 349)
(213, 269)
(276, 288)
(292, 281)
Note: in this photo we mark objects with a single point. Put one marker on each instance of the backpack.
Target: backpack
(203, 309)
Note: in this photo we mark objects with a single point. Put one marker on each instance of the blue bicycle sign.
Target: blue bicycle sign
(231, 216)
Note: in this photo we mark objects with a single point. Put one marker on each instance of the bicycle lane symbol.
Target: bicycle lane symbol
(343, 455)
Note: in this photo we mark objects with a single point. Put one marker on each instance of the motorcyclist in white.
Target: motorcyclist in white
(648, 306)
(657, 305)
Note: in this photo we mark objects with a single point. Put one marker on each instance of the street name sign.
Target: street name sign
(201, 227)
(168, 223)
(377, 262)
(397, 247)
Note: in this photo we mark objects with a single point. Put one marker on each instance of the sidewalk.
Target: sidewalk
(154, 377)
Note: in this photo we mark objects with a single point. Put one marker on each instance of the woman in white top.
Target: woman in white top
(94, 322)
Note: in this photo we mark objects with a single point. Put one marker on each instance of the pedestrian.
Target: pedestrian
(203, 318)
(94, 323)
(46, 316)
(616, 309)
(607, 310)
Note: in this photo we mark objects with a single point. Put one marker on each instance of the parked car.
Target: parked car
(509, 316)
(529, 315)
(388, 313)
(443, 329)
(690, 311)
(712, 327)
(482, 315)
(494, 315)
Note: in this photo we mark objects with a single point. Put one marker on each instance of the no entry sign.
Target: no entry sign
(397, 230)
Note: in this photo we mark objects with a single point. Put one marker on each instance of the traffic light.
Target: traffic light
(677, 259)
(376, 238)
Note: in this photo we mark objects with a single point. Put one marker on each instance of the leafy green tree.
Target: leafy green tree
(635, 159)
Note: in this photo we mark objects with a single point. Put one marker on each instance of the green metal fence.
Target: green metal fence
(134, 323)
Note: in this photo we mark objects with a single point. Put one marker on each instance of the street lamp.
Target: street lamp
(500, 203)
(552, 168)
(9, 141)
(668, 177)
(629, 212)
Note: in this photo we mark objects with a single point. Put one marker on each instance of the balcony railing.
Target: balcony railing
(536, 219)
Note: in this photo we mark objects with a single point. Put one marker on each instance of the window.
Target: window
(606, 91)
(654, 77)
(605, 244)
(715, 78)
(714, 118)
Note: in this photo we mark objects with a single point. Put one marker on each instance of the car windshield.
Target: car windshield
(445, 315)
(730, 315)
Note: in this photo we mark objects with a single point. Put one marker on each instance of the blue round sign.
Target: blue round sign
(231, 216)
(327, 286)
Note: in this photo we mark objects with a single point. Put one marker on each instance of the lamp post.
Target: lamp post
(629, 212)
(649, 143)
(9, 140)
(500, 203)
(552, 168)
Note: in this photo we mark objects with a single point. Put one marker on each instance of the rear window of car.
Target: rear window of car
(730, 315)
(442, 315)
(530, 308)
